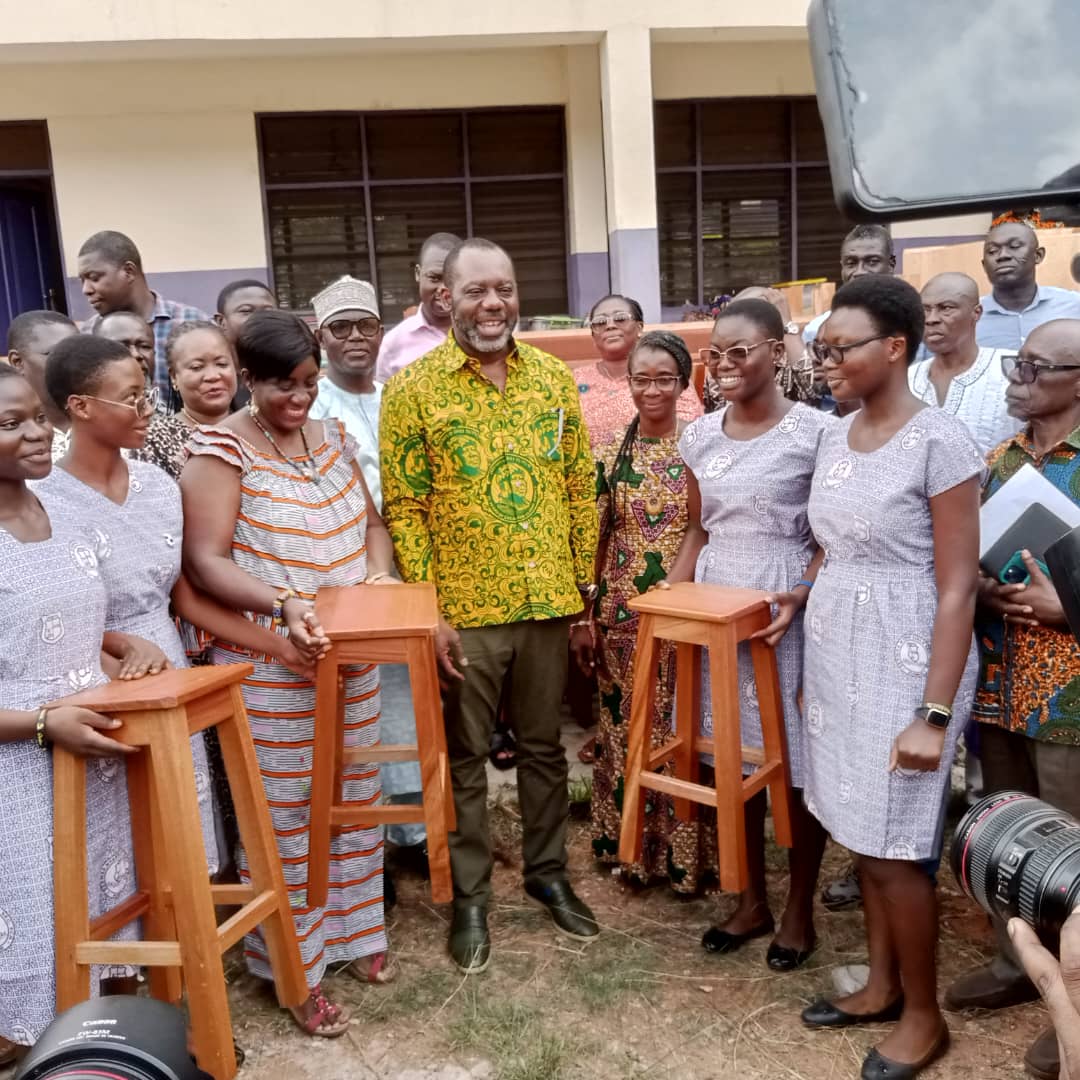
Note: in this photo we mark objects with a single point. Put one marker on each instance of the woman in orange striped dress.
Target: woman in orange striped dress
(276, 509)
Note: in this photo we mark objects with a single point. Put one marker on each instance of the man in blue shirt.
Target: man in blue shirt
(1017, 304)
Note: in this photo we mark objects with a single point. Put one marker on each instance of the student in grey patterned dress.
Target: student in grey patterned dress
(52, 622)
(130, 514)
(751, 465)
(889, 653)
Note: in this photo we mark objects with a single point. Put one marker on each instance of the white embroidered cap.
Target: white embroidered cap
(345, 294)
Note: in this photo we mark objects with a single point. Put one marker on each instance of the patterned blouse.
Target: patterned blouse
(490, 495)
(1029, 676)
(166, 443)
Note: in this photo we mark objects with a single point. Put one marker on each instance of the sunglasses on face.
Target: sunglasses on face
(617, 318)
(341, 329)
(737, 354)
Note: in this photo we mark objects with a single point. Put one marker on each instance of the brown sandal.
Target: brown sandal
(587, 754)
(375, 969)
(323, 1013)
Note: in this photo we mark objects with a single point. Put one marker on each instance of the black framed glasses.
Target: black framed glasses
(710, 356)
(838, 353)
(616, 318)
(341, 329)
(664, 383)
(1027, 371)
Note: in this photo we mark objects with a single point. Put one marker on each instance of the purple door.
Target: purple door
(30, 274)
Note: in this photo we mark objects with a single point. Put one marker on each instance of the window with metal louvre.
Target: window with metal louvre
(743, 196)
(358, 193)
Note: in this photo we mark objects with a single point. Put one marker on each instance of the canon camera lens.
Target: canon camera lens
(113, 1038)
(1018, 856)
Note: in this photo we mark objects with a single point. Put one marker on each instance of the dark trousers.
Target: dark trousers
(534, 655)
(1049, 771)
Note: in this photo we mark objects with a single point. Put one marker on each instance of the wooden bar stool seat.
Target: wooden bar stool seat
(700, 616)
(379, 624)
(182, 943)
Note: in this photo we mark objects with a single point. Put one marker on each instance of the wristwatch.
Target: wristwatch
(937, 716)
(792, 327)
(589, 592)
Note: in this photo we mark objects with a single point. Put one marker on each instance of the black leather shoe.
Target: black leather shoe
(470, 942)
(878, 1067)
(824, 1014)
(715, 940)
(568, 911)
(783, 958)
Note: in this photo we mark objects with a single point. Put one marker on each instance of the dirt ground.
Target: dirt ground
(643, 1000)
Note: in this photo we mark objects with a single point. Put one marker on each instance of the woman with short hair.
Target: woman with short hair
(276, 509)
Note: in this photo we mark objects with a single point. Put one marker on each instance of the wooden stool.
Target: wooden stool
(379, 624)
(182, 943)
(717, 618)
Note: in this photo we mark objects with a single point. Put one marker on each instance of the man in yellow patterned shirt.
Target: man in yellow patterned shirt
(489, 493)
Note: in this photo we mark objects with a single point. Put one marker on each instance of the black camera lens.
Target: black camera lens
(1014, 575)
(113, 1038)
(1018, 856)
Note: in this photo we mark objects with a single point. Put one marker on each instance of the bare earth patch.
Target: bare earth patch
(644, 1000)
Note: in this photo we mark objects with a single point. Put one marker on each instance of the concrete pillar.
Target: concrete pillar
(627, 102)
(588, 276)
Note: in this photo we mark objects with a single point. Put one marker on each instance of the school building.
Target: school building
(671, 151)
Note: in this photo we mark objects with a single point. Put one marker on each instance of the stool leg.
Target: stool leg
(193, 905)
(687, 713)
(434, 764)
(639, 738)
(151, 861)
(71, 904)
(774, 737)
(727, 750)
(264, 864)
(327, 733)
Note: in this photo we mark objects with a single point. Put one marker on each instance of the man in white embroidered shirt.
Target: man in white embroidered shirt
(961, 377)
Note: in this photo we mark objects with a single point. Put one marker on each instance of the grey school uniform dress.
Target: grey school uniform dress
(138, 545)
(869, 624)
(52, 616)
(753, 506)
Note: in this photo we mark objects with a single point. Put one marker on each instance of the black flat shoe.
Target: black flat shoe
(570, 914)
(783, 958)
(470, 942)
(824, 1014)
(878, 1067)
(716, 940)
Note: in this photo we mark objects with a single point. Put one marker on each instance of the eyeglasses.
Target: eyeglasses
(1027, 371)
(143, 406)
(616, 318)
(341, 329)
(737, 354)
(664, 383)
(838, 353)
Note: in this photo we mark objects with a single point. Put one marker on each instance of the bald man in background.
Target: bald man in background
(961, 377)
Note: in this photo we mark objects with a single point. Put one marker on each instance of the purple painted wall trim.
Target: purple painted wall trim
(635, 268)
(198, 287)
(588, 278)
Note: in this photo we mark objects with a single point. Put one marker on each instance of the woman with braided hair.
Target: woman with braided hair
(749, 469)
(641, 492)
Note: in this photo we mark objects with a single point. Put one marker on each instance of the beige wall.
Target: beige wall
(731, 69)
(190, 22)
(178, 169)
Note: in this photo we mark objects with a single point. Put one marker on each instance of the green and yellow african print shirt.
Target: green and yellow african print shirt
(489, 495)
